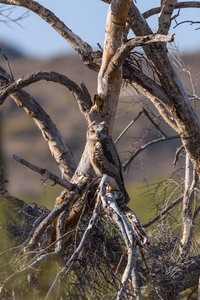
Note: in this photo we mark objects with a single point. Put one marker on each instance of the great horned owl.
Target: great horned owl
(103, 155)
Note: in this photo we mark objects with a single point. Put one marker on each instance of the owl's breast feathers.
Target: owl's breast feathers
(105, 160)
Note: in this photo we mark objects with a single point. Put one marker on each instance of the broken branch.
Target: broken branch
(62, 182)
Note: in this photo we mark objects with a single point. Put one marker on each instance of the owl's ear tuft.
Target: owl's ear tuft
(104, 123)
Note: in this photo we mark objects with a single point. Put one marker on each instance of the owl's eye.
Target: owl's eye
(104, 130)
(92, 131)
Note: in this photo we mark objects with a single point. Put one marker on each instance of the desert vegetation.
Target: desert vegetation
(91, 243)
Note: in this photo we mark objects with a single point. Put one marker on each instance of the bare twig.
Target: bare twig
(196, 213)
(187, 21)
(186, 68)
(84, 203)
(179, 5)
(6, 16)
(180, 107)
(62, 182)
(152, 121)
(38, 255)
(151, 89)
(125, 50)
(129, 161)
(35, 225)
(128, 126)
(64, 203)
(178, 151)
(75, 254)
(164, 212)
(75, 41)
(8, 64)
(28, 269)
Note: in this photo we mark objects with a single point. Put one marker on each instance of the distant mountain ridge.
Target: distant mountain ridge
(11, 51)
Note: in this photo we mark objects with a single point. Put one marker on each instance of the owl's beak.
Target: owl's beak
(98, 135)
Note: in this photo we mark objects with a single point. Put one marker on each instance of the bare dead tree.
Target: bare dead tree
(91, 244)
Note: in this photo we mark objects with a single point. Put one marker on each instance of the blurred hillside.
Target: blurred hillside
(22, 137)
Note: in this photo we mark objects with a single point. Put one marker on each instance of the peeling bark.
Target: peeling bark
(86, 194)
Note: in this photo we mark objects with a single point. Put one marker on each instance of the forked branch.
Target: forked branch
(56, 143)
(138, 41)
(179, 5)
(112, 209)
(78, 93)
(164, 20)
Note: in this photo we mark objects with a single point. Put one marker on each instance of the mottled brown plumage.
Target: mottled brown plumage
(103, 155)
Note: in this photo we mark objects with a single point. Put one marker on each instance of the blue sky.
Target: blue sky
(87, 19)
